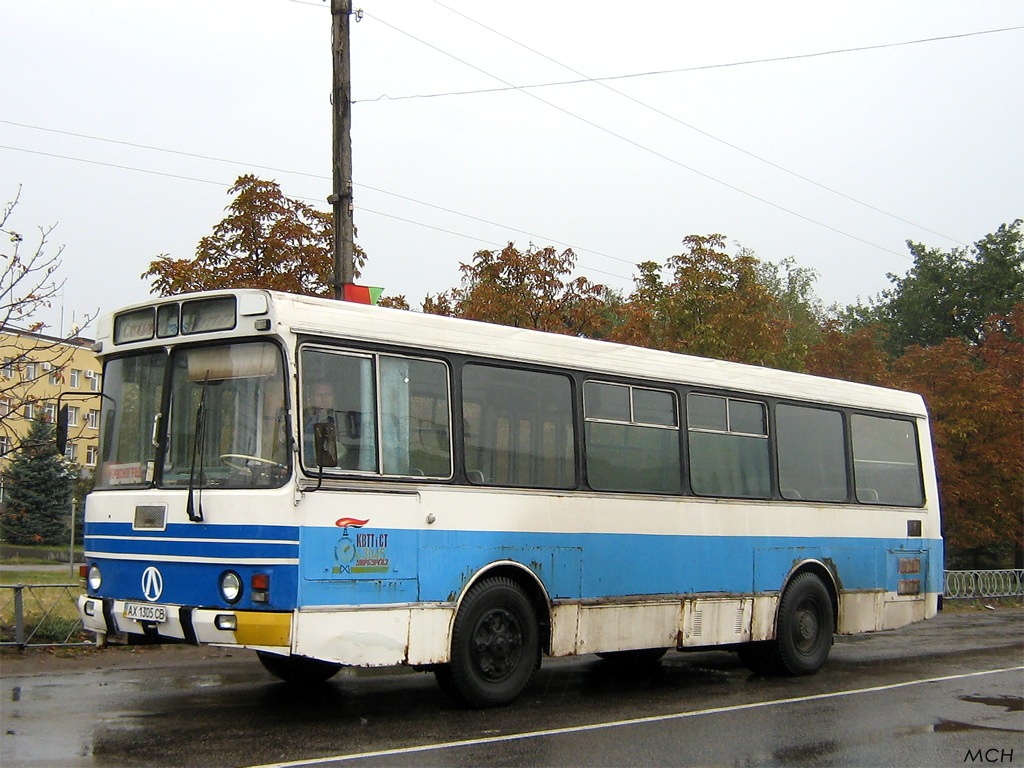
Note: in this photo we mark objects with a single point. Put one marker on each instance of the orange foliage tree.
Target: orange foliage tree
(975, 395)
(857, 355)
(714, 305)
(975, 398)
(267, 240)
(532, 288)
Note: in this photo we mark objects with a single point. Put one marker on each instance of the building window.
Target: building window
(94, 381)
(30, 371)
(73, 415)
(55, 376)
(69, 452)
(92, 419)
(5, 406)
(50, 412)
(90, 455)
(30, 410)
(8, 369)
(5, 444)
(74, 379)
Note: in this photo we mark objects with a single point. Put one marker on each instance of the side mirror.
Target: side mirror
(325, 444)
(62, 429)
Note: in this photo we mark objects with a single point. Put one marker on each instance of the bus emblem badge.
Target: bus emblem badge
(152, 584)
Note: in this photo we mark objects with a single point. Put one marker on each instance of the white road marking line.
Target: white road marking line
(621, 723)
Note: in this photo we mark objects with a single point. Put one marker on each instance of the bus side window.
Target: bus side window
(415, 422)
(339, 389)
(518, 427)
(812, 453)
(728, 441)
(632, 438)
(886, 463)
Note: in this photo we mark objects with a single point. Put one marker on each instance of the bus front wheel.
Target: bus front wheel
(495, 645)
(805, 626)
(298, 670)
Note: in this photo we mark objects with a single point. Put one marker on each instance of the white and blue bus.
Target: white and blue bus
(334, 484)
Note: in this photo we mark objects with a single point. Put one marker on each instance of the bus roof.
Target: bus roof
(359, 322)
(403, 328)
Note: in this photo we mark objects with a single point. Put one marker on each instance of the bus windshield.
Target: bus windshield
(224, 424)
(132, 393)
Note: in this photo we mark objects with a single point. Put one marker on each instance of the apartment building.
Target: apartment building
(34, 370)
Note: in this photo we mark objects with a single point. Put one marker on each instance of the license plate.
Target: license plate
(144, 612)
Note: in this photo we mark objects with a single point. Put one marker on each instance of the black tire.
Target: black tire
(643, 657)
(298, 670)
(495, 645)
(804, 632)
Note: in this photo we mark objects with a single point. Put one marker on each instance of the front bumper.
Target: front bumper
(199, 626)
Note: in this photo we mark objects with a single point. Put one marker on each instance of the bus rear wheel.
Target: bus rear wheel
(495, 645)
(804, 633)
(298, 670)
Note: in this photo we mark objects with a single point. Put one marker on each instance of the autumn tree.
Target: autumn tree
(858, 355)
(37, 491)
(712, 304)
(267, 240)
(975, 395)
(29, 284)
(532, 288)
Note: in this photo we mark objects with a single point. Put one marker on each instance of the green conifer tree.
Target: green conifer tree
(37, 494)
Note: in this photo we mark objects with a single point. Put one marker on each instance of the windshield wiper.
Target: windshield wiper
(194, 510)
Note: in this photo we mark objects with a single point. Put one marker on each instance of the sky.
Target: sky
(125, 123)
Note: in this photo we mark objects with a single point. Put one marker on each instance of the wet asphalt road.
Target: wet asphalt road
(945, 692)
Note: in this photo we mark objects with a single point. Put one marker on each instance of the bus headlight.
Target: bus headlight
(230, 586)
(95, 578)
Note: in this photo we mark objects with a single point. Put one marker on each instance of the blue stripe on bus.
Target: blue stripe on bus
(194, 583)
(284, 533)
(197, 584)
(435, 565)
(369, 567)
(225, 542)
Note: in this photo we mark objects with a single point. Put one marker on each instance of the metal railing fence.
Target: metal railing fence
(965, 585)
(41, 616)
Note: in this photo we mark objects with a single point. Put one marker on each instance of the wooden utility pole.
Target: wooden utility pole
(341, 100)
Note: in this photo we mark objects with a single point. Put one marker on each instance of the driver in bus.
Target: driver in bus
(319, 409)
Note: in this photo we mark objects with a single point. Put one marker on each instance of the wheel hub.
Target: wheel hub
(806, 629)
(498, 642)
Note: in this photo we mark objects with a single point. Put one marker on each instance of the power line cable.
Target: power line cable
(321, 177)
(489, 242)
(680, 70)
(643, 147)
(702, 132)
(225, 185)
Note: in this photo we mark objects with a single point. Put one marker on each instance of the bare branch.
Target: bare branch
(28, 284)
